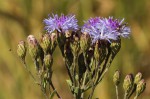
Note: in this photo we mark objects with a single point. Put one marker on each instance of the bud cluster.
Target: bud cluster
(131, 84)
(41, 54)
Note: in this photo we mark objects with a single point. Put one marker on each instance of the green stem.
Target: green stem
(136, 96)
(43, 91)
(75, 82)
(75, 62)
(92, 93)
(132, 91)
(79, 95)
(86, 65)
(117, 93)
(103, 74)
(74, 70)
(55, 90)
(68, 70)
(26, 67)
(125, 95)
(94, 80)
(37, 67)
(83, 85)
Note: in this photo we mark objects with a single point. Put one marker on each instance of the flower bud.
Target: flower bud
(115, 47)
(68, 33)
(53, 37)
(140, 87)
(128, 82)
(21, 50)
(48, 61)
(75, 46)
(84, 41)
(138, 77)
(33, 46)
(45, 42)
(96, 51)
(116, 78)
(99, 51)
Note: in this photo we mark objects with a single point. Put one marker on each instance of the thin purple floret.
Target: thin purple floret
(105, 29)
(61, 24)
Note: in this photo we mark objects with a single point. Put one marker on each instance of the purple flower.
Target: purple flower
(105, 29)
(61, 24)
(117, 26)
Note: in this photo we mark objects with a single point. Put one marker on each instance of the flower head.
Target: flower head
(117, 26)
(105, 28)
(61, 24)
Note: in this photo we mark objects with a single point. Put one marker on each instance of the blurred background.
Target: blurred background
(19, 18)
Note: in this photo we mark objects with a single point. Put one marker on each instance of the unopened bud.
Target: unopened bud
(100, 51)
(68, 33)
(75, 46)
(21, 50)
(97, 51)
(33, 46)
(140, 87)
(115, 47)
(138, 77)
(53, 37)
(116, 78)
(128, 82)
(45, 42)
(48, 61)
(84, 41)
